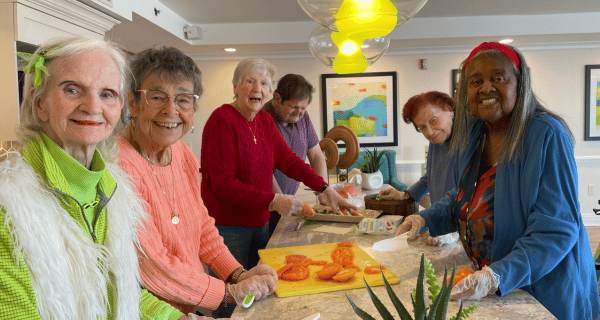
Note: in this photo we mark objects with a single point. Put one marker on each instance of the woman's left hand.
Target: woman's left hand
(335, 201)
(476, 285)
(261, 269)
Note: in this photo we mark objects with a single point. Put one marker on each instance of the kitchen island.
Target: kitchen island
(403, 263)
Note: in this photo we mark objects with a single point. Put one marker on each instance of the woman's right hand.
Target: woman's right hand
(390, 193)
(260, 286)
(286, 204)
(412, 223)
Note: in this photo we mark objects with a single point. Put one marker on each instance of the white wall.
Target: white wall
(558, 80)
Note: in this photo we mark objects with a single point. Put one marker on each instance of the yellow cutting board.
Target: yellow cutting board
(275, 258)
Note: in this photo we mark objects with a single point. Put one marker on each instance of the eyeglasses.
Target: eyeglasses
(157, 99)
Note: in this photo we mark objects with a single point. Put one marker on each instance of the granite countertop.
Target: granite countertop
(404, 264)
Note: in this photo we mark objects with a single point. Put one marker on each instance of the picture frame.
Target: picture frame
(454, 78)
(364, 102)
(592, 103)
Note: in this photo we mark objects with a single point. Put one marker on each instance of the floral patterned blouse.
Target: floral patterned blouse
(476, 223)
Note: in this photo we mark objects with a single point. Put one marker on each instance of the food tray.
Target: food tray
(366, 213)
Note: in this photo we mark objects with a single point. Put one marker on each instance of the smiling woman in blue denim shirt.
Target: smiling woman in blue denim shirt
(515, 206)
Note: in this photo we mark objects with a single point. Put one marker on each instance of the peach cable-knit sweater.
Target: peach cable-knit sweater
(171, 265)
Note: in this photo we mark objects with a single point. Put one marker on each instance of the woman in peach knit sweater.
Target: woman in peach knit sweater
(179, 235)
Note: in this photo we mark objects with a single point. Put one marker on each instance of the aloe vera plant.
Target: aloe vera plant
(372, 160)
(435, 311)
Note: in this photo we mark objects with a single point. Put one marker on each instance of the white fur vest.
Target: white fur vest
(67, 279)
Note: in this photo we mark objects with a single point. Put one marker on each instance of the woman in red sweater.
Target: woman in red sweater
(241, 147)
(179, 235)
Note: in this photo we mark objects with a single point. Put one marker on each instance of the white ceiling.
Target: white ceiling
(280, 27)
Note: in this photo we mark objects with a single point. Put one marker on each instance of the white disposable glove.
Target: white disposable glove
(260, 270)
(335, 201)
(390, 193)
(442, 240)
(192, 316)
(285, 204)
(476, 285)
(412, 223)
(260, 286)
(323, 199)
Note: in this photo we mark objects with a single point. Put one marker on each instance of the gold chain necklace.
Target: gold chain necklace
(253, 135)
(174, 214)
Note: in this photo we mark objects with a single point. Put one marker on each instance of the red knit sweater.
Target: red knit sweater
(237, 174)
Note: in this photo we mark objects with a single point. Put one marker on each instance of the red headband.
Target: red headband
(505, 50)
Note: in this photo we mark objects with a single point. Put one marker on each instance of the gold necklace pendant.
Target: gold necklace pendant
(249, 128)
(174, 215)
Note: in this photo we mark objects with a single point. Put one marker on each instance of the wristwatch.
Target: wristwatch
(324, 187)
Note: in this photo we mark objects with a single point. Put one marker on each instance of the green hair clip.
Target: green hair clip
(35, 64)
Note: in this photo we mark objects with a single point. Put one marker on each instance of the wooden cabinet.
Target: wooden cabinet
(34, 22)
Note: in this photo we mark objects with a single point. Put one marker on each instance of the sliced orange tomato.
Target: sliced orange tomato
(373, 269)
(353, 266)
(342, 255)
(345, 244)
(295, 273)
(296, 258)
(329, 270)
(344, 275)
(317, 262)
(460, 275)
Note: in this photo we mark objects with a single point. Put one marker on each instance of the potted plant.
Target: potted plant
(438, 295)
(371, 176)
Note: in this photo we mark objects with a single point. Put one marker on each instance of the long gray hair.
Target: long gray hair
(51, 51)
(527, 105)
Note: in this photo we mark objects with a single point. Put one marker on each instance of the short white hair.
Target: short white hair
(253, 65)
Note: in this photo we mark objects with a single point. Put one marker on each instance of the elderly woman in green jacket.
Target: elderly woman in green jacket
(68, 216)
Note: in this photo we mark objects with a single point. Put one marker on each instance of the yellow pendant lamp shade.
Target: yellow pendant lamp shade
(366, 19)
(349, 58)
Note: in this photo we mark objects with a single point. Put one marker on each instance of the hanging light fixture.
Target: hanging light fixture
(324, 11)
(354, 23)
(349, 58)
(365, 19)
(325, 50)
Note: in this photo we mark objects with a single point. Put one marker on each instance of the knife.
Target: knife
(394, 243)
(314, 316)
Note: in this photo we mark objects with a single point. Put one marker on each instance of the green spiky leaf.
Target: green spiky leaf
(402, 312)
(419, 301)
(360, 312)
(383, 311)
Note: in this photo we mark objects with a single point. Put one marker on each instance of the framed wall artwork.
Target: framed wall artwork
(454, 78)
(364, 102)
(592, 102)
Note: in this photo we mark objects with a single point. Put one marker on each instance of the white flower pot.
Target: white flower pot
(372, 180)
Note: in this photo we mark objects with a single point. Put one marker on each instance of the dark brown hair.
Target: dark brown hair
(294, 86)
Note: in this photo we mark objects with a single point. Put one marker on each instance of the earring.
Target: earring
(192, 131)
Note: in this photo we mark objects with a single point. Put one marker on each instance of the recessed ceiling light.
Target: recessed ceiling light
(230, 49)
(505, 41)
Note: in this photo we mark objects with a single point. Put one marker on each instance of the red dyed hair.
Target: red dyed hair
(415, 103)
